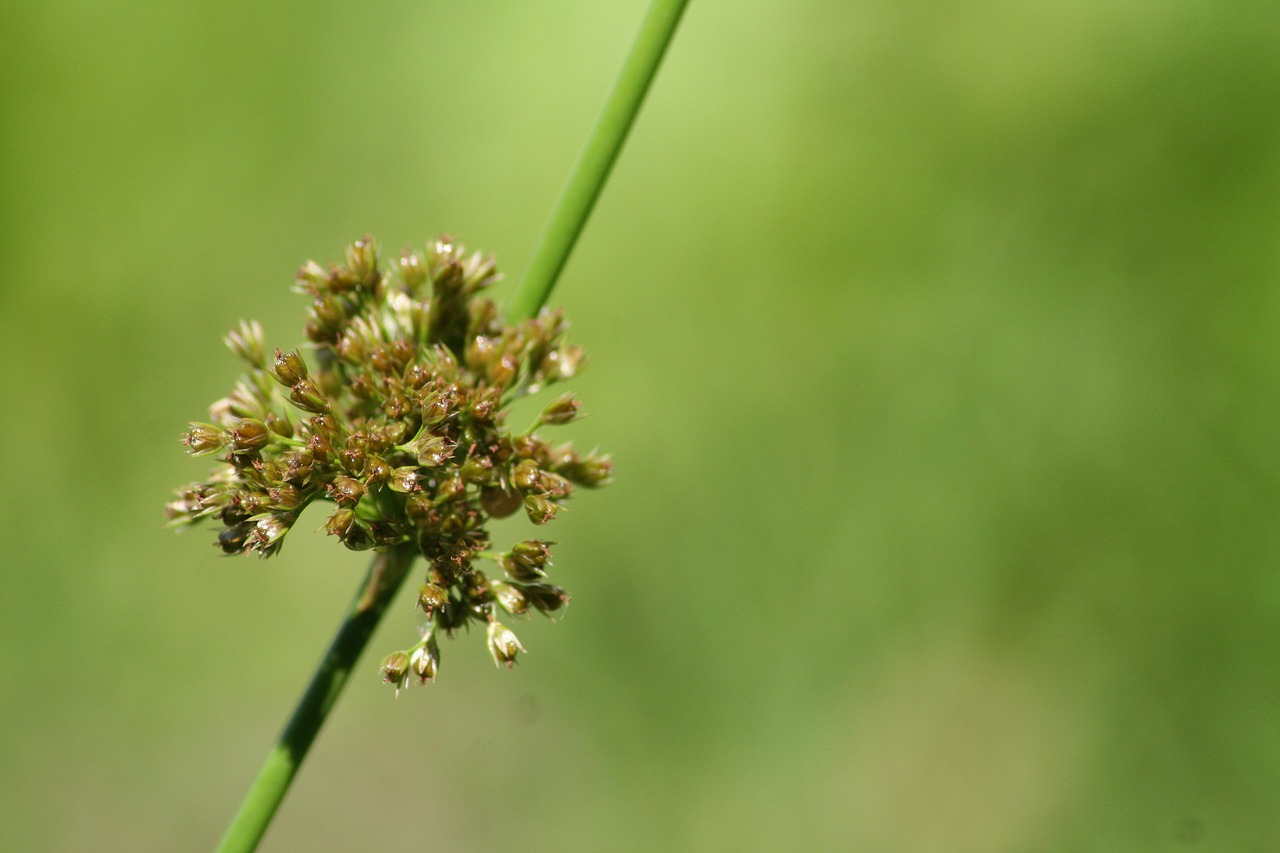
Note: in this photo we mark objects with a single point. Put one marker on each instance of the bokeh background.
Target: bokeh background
(936, 344)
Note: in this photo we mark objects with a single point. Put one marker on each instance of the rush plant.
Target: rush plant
(396, 421)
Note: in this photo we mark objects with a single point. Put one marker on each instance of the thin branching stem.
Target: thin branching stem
(389, 569)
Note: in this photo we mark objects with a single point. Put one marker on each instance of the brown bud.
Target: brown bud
(249, 434)
(202, 439)
(539, 509)
(376, 471)
(527, 476)
(562, 410)
(529, 558)
(346, 491)
(340, 523)
(280, 426)
(434, 451)
(547, 598)
(499, 502)
(286, 497)
(431, 597)
(289, 369)
(306, 396)
(269, 531)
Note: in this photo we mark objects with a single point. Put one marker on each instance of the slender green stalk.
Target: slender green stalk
(386, 574)
(388, 570)
(597, 158)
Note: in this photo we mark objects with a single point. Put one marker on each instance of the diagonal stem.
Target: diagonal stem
(597, 158)
(386, 573)
(389, 569)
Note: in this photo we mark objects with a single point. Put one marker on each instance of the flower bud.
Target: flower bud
(376, 471)
(246, 342)
(203, 439)
(357, 538)
(554, 486)
(562, 410)
(395, 668)
(527, 476)
(435, 451)
(529, 447)
(477, 470)
(418, 508)
(425, 661)
(432, 597)
(249, 434)
(280, 426)
(328, 311)
(306, 396)
(503, 371)
(311, 278)
(438, 407)
(592, 472)
(285, 497)
(509, 597)
(413, 272)
(539, 509)
(450, 488)
(397, 406)
(346, 491)
(480, 351)
(547, 598)
(233, 540)
(565, 362)
(446, 363)
(351, 347)
(340, 523)
(289, 369)
(269, 531)
(527, 559)
(499, 502)
(503, 644)
(362, 261)
(404, 479)
(484, 407)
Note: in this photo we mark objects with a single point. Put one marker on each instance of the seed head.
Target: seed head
(397, 419)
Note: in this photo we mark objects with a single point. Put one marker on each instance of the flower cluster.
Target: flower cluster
(398, 422)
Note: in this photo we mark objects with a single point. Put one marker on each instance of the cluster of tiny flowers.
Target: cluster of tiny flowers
(398, 422)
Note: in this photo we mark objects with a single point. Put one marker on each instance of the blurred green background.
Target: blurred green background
(936, 345)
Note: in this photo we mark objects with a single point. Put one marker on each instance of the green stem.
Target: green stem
(386, 574)
(389, 569)
(592, 169)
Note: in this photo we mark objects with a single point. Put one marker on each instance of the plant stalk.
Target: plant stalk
(386, 574)
(388, 570)
(581, 190)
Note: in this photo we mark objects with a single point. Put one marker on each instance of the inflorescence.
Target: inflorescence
(398, 423)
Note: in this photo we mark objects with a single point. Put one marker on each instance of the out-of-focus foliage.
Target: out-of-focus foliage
(936, 345)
